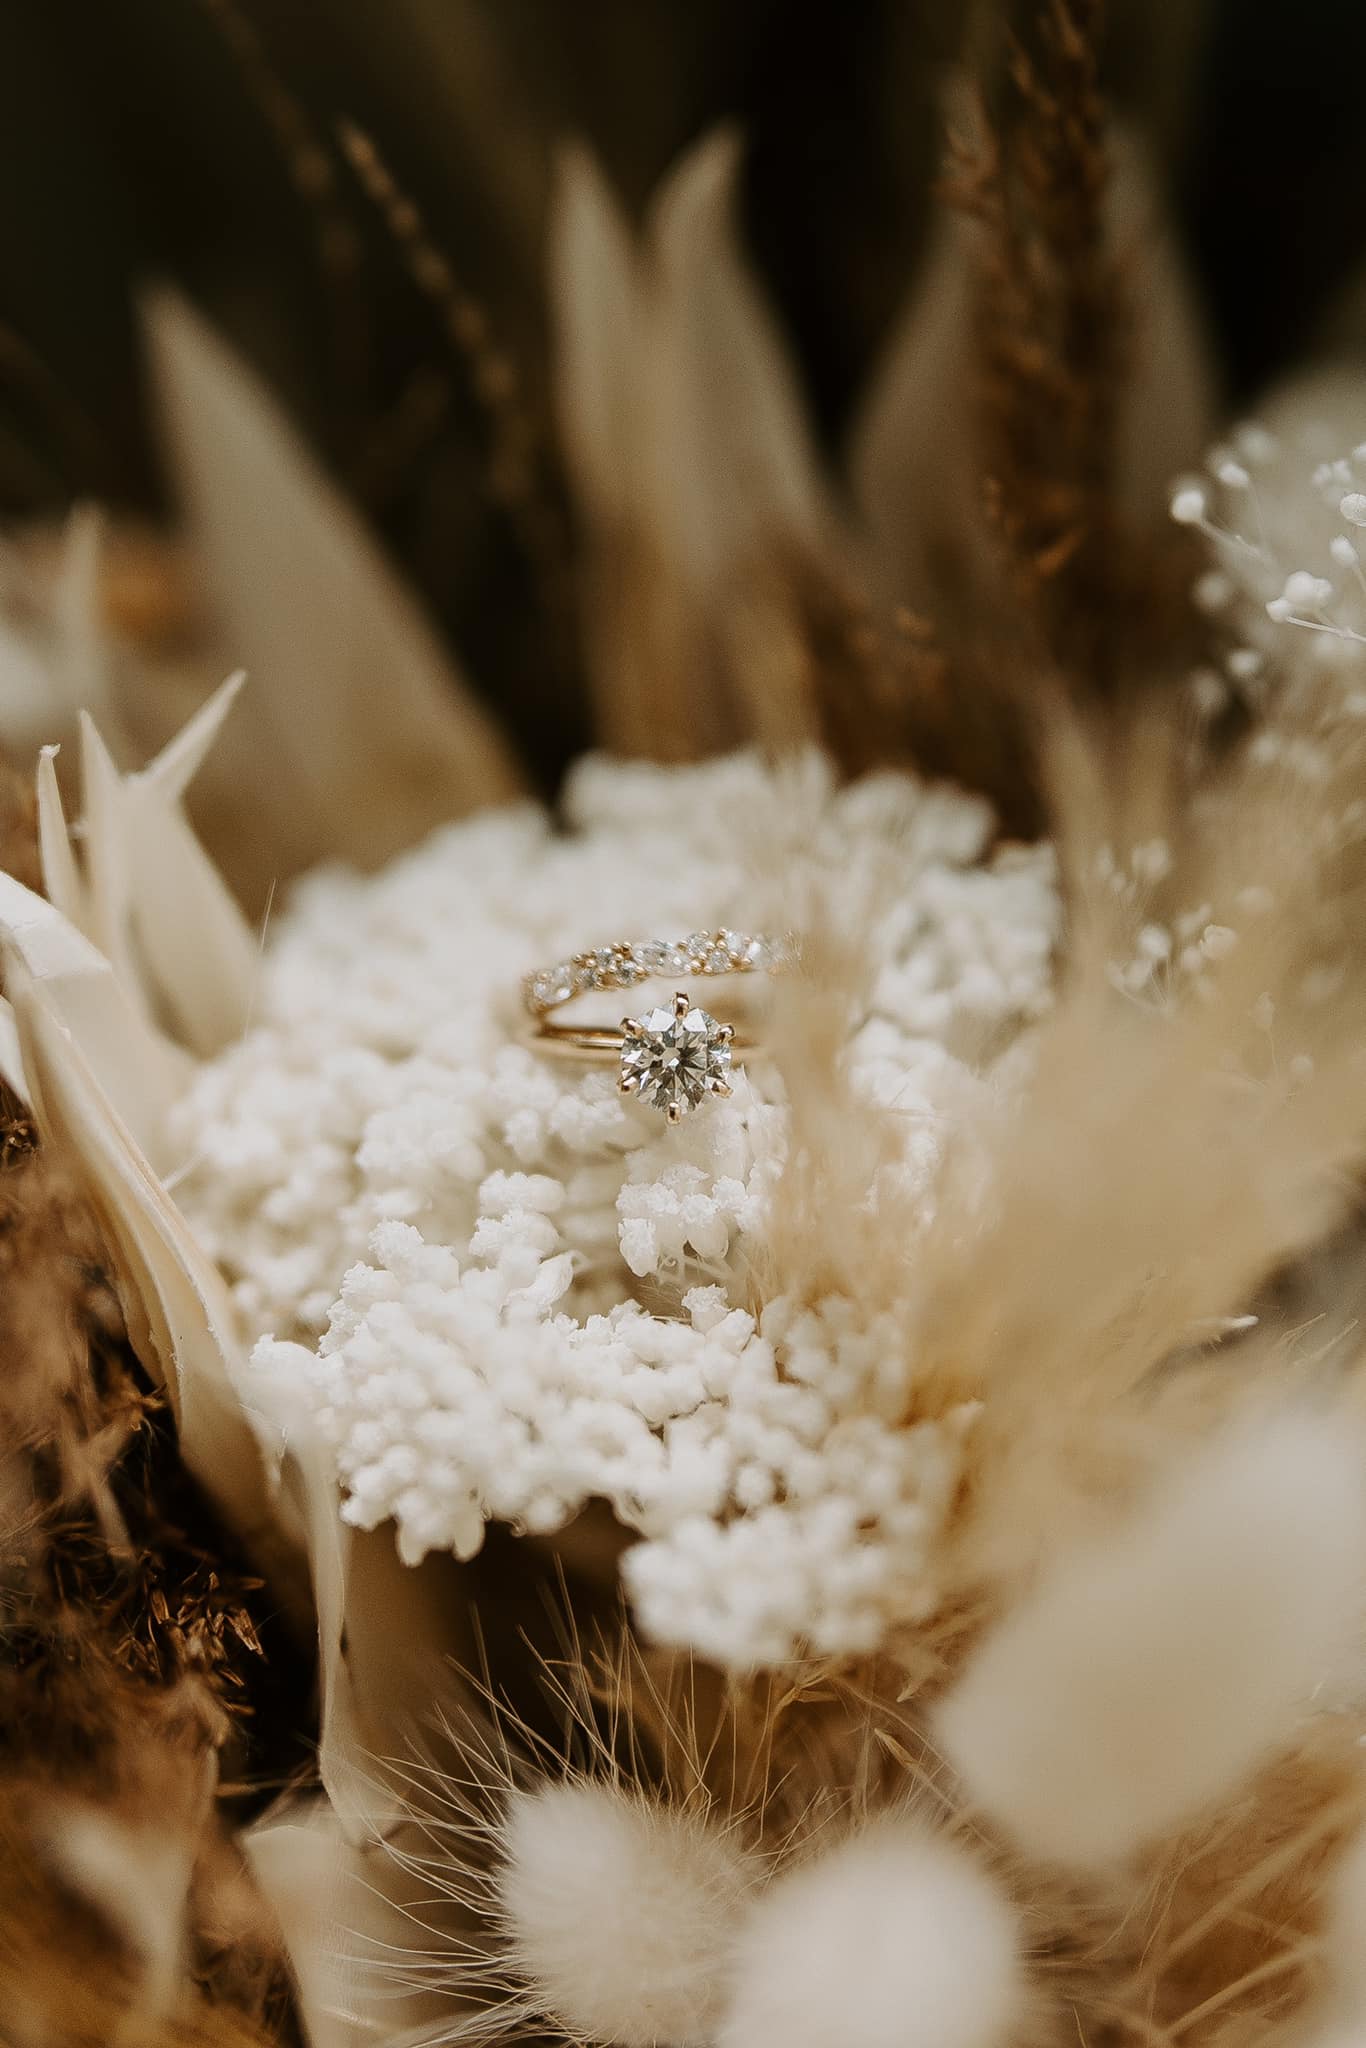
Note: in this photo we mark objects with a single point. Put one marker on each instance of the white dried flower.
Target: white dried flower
(382, 1156)
(1255, 444)
(1189, 505)
(619, 1914)
(1212, 591)
(898, 1939)
(1306, 593)
(1272, 557)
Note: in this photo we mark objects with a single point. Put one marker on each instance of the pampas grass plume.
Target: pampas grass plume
(896, 1939)
(1147, 1675)
(620, 1913)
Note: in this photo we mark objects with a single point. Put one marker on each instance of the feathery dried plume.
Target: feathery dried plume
(1150, 1672)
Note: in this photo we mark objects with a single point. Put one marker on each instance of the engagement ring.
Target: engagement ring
(674, 1054)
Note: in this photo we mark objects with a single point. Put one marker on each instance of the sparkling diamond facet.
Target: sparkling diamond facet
(553, 985)
(659, 956)
(673, 1057)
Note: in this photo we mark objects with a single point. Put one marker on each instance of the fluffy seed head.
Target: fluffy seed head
(1188, 505)
(620, 1914)
(895, 1940)
(1148, 1675)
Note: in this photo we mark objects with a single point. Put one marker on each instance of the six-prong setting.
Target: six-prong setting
(674, 1057)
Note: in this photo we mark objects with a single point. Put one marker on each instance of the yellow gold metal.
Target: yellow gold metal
(671, 1056)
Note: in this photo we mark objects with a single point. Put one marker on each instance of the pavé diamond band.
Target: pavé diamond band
(673, 1055)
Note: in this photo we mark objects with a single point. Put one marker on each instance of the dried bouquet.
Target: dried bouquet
(874, 1559)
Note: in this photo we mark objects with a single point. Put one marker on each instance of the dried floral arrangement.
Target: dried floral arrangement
(883, 1562)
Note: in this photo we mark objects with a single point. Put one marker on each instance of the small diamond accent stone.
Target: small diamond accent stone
(660, 956)
(672, 1058)
(553, 985)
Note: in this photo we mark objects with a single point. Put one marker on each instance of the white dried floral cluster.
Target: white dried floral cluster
(1284, 514)
(1173, 958)
(1268, 503)
(527, 1291)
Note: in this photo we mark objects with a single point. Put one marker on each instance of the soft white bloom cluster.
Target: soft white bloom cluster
(1170, 958)
(530, 1292)
(1284, 512)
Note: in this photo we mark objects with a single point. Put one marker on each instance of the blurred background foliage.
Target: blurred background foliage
(198, 140)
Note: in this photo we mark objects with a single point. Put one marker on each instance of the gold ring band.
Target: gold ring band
(672, 1056)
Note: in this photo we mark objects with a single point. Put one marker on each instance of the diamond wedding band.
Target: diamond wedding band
(673, 1055)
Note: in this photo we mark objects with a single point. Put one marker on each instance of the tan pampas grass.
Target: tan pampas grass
(1149, 1674)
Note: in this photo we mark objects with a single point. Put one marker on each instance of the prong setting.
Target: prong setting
(674, 1057)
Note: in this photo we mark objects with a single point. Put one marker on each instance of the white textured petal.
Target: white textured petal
(181, 759)
(11, 1056)
(80, 658)
(197, 948)
(1149, 1674)
(898, 1939)
(691, 459)
(62, 879)
(389, 1636)
(31, 713)
(145, 892)
(315, 1882)
(134, 1066)
(106, 864)
(596, 296)
(358, 735)
(731, 455)
(180, 1319)
(913, 478)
